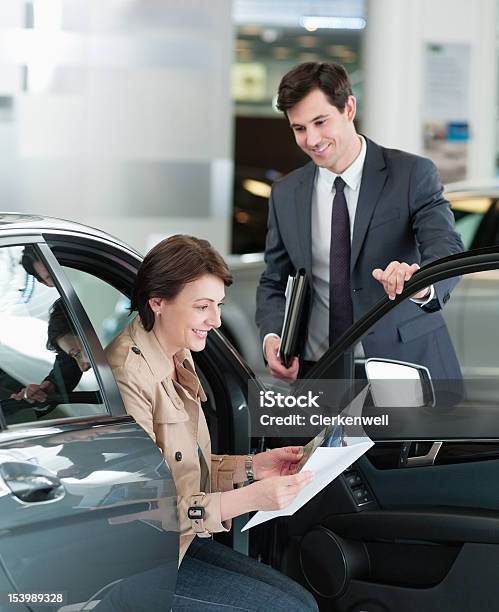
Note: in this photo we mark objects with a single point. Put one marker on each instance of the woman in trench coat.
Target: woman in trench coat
(179, 292)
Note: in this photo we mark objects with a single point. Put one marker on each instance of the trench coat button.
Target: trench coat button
(178, 456)
(136, 350)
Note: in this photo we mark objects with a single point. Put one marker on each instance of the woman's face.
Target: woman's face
(185, 321)
(70, 344)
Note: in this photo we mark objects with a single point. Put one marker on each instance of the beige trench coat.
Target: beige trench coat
(170, 412)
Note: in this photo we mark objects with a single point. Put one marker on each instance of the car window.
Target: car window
(109, 312)
(469, 211)
(467, 225)
(472, 316)
(107, 308)
(449, 355)
(45, 372)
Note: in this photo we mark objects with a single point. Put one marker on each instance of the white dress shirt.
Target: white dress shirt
(322, 209)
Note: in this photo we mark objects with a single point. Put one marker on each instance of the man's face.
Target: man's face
(323, 132)
(72, 346)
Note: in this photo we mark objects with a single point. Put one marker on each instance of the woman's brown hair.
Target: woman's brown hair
(169, 266)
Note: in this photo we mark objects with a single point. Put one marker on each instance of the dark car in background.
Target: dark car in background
(474, 206)
(476, 210)
(87, 502)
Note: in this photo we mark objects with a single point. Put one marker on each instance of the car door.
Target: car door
(102, 271)
(87, 503)
(414, 524)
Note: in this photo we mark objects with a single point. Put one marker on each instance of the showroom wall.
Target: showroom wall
(117, 113)
(428, 64)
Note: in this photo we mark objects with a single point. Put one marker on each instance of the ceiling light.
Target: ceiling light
(257, 188)
(333, 23)
(269, 35)
(242, 217)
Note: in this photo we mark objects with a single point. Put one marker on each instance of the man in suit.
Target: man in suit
(360, 219)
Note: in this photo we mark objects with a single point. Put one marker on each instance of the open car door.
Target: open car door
(414, 524)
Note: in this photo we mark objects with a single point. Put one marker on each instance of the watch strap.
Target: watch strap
(248, 468)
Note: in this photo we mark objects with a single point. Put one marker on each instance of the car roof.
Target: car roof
(24, 223)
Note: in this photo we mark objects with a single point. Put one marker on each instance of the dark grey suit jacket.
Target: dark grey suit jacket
(401, 215)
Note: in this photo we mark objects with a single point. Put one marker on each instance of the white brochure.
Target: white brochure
(326, 463)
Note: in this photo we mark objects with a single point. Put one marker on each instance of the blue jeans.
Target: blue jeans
(214, 578)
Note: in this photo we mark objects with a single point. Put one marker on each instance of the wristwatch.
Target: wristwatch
(248, 467)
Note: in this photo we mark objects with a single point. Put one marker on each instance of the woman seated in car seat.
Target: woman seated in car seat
(71, 360)
(178, 293)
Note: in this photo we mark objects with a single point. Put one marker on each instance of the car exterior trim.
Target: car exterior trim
(23, 430)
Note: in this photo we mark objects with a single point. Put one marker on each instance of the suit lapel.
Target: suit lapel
(374, 176)
(303, 208)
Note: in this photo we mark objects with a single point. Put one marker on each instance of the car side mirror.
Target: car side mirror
(398, 384)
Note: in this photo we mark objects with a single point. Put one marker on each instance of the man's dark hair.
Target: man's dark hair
(331, 79)
(58, 325)
(169, 266)
(28, 259)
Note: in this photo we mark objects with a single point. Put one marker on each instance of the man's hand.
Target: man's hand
(34, 393)
(276, 367)
(277, 462)
(395, 275)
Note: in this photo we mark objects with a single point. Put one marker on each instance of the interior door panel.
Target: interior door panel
(462, 484)
(470, 585)
(426, 535)
(429, 540)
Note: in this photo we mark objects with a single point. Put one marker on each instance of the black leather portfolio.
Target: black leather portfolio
(294, 329)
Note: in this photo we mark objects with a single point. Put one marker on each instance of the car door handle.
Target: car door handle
(31, 483)
(419, 460)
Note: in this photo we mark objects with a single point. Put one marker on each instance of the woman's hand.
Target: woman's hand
(277, 462)
(277, 492)
(269, 494)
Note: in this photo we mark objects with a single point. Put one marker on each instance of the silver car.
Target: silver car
(87, 504)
